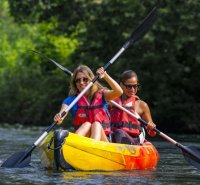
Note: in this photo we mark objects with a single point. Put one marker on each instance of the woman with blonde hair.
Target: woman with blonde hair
(90, 114)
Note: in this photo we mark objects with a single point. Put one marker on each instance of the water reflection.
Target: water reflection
(86, 175)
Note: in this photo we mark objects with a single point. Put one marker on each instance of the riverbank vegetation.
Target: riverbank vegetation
(167, 59)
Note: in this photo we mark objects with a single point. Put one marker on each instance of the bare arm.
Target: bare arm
(115, 91)
(143, 110)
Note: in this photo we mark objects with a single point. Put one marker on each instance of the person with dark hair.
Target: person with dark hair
(127, 129)
(90, 113)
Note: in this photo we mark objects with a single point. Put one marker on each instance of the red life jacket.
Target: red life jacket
(121, 120)
(92, 112)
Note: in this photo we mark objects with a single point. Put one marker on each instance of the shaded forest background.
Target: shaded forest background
(167, 59)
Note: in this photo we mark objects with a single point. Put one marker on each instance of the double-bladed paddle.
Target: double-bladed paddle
(23, 158)
(191, 153)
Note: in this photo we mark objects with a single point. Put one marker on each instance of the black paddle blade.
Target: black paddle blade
(18, 160)
(144, 26)
(192, 155)
(54, 62)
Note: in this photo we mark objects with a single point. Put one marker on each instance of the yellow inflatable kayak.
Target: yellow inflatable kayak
(63, 150)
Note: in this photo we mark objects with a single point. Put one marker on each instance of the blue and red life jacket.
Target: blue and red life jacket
(91, 112)
(121, 120)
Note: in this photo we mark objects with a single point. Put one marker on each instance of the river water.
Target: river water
(172, 167)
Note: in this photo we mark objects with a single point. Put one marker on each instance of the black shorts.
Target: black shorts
(120, 136)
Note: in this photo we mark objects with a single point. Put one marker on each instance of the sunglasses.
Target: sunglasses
(78, 80)
(129, 86)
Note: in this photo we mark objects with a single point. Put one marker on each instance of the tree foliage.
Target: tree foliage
(91, 32)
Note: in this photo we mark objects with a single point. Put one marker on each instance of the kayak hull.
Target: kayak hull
(63, 150)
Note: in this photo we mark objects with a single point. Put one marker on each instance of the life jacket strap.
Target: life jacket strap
(86, 108)
(90, 107)
(127, 125)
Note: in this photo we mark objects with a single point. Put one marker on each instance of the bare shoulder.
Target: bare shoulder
(141, 104)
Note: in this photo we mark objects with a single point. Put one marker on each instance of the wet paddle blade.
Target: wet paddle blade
(23, 158)
(18, 160)
(192, 155)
